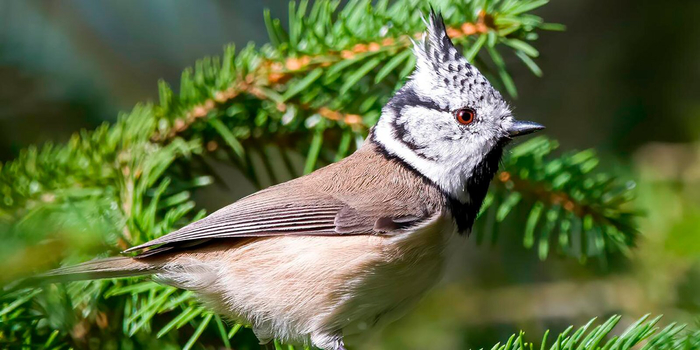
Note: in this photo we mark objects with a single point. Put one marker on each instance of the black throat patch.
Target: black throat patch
(464, 214)
(477, 187)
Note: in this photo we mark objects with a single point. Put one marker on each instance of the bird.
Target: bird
(351, 246)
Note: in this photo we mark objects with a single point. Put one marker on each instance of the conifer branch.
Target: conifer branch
(642, 334)
(271, 73)
(581, 212)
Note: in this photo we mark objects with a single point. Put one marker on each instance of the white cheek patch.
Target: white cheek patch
(457, 159)
(425, 131)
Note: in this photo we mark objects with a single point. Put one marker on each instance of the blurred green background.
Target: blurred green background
(622, 79)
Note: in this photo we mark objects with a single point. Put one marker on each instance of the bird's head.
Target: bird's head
(447, 122)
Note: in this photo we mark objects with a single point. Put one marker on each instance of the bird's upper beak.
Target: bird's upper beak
(520, 128)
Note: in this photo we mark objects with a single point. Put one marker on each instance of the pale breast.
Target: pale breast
(386, 288)
(301, 288)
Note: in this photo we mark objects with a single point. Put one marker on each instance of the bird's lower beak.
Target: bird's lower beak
(520, 128)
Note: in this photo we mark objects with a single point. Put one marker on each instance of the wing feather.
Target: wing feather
(279, 210)
(389, 199)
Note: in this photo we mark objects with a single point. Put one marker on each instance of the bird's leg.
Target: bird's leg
(340, 345)
(328, 341)
(267, 342)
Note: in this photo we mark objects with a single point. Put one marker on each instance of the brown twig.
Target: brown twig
(544, 195)
(274, 73)
(554, 197)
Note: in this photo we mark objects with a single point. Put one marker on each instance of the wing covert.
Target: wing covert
(383, 198)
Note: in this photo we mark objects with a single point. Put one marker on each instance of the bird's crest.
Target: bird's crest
(438, 58)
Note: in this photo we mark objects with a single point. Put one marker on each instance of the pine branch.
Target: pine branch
(272, 73)
(583, 213)
(291, 78)
(642, 334)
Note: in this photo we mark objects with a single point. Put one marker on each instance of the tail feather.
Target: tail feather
(115, 267)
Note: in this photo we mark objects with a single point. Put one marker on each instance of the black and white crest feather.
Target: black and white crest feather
(418, 124)
(436, 54)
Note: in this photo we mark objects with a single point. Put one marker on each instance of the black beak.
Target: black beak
(520, 128)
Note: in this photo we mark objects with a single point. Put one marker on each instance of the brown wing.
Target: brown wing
(341, 199)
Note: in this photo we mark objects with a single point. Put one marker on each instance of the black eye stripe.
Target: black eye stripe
(408, 98)
(427, 104)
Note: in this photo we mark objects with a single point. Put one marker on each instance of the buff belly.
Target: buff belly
(315, 289)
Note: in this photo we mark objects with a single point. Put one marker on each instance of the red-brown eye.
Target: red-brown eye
(465, 115)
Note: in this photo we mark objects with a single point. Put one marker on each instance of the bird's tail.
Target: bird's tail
(115, 267)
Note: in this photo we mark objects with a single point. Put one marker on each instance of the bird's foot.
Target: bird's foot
(326, 341)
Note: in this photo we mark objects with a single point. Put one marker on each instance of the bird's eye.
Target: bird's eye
(465, 115)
